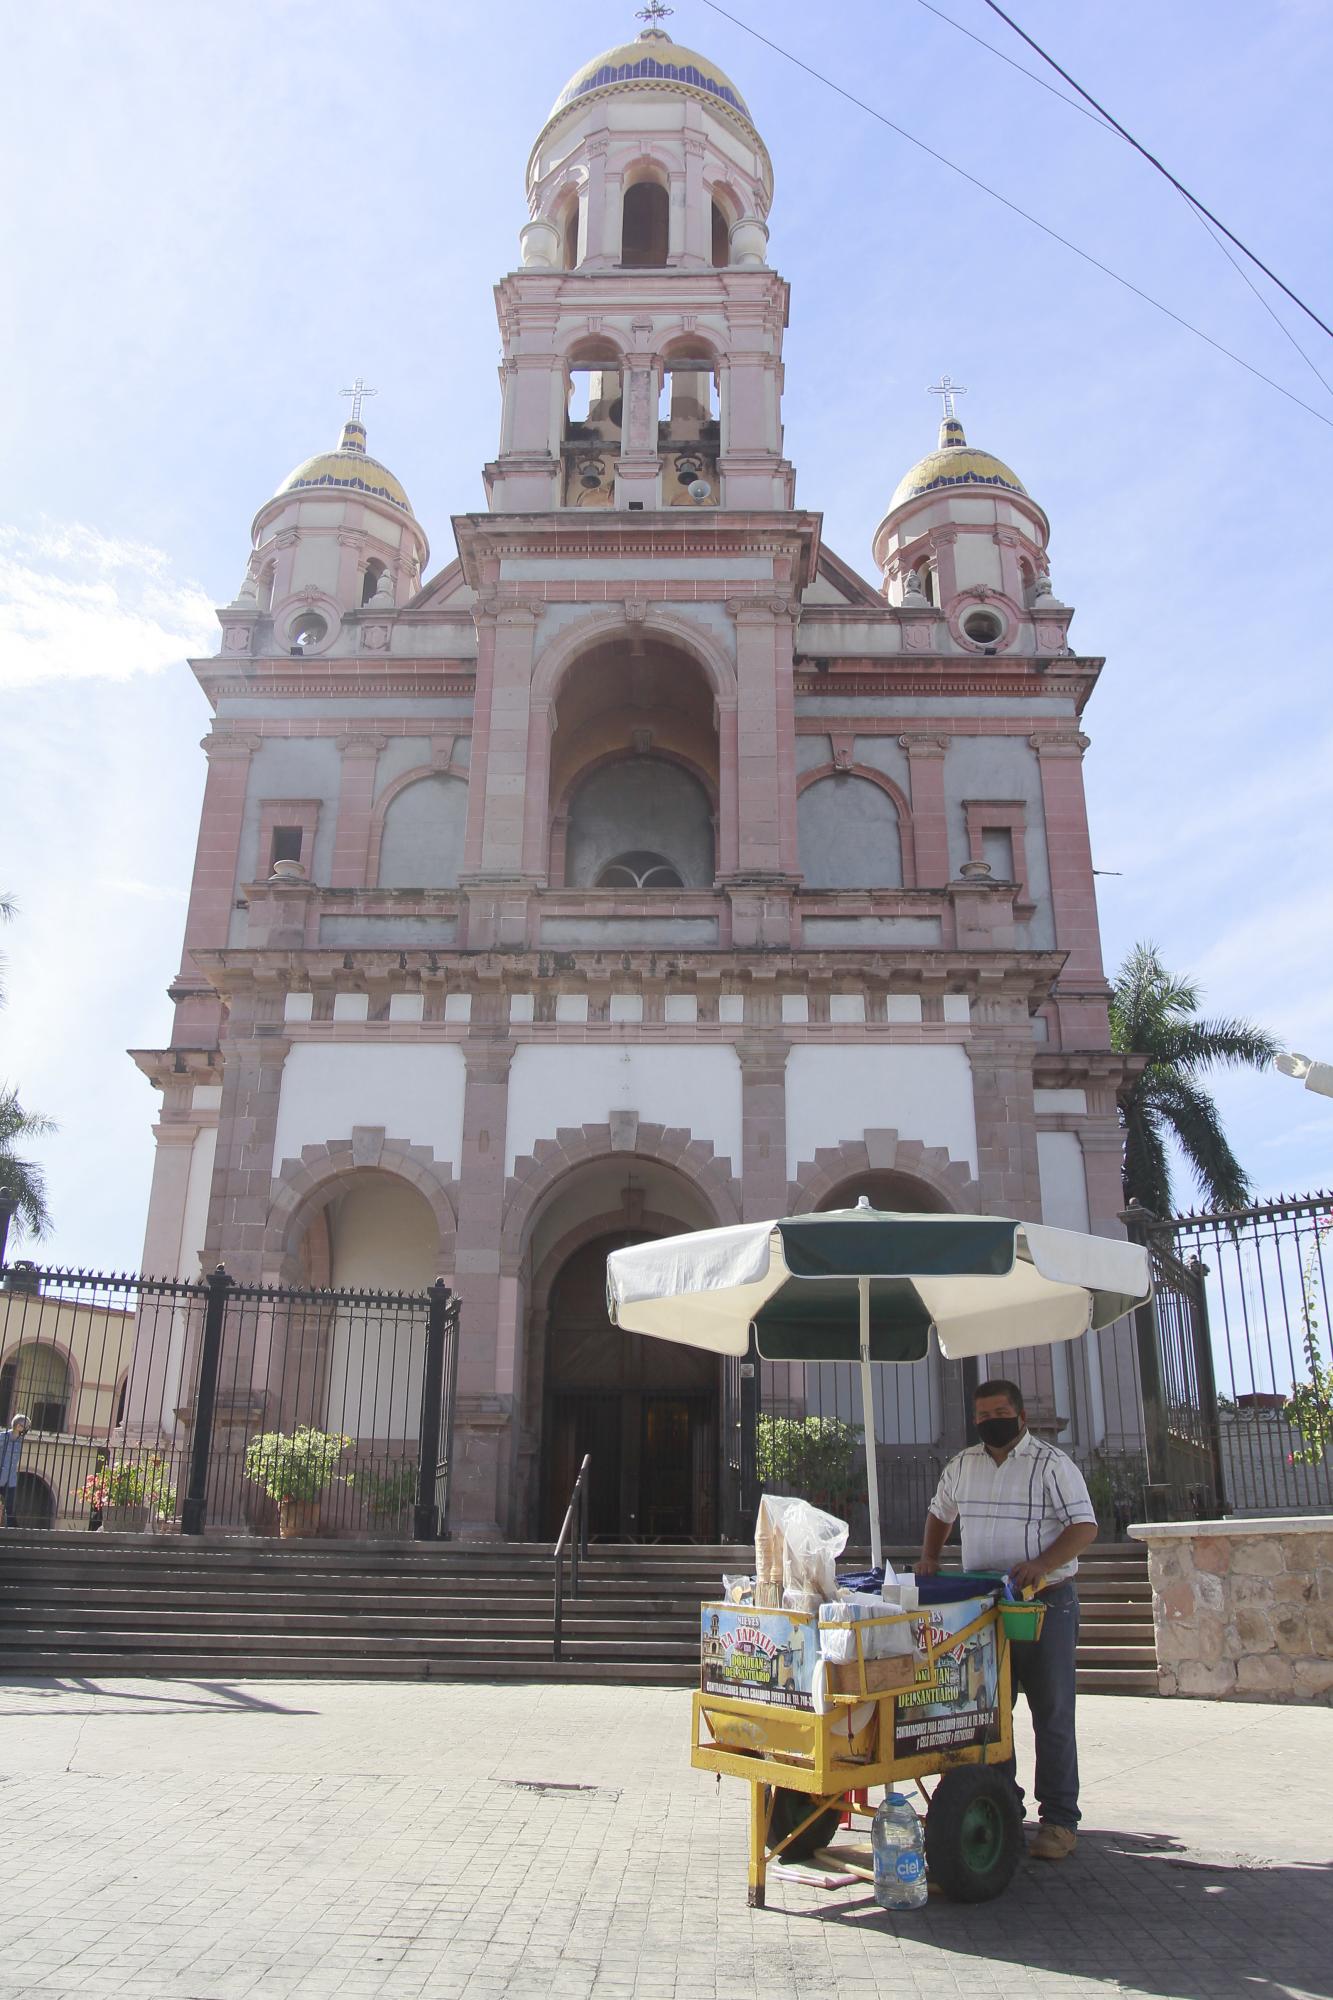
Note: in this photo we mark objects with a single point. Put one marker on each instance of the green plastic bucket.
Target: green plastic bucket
(1022, 1622)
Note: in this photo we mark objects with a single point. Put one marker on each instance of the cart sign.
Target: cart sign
(955, 1705)
(758, 1655)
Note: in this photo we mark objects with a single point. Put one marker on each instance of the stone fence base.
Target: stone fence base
(1243, 1609)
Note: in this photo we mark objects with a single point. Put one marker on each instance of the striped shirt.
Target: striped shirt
(1013, 1511)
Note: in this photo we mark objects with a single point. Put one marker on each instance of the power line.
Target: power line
(1153, 161)
(1013, 206)
(1113, 131)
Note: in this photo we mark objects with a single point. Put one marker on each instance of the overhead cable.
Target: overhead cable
(1046, 229)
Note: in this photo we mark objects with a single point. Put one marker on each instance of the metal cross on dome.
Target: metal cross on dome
(948, 388)
(358, 393)
(654, 13)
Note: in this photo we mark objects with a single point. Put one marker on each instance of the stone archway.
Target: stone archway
(648, 1412)
(304, 1188)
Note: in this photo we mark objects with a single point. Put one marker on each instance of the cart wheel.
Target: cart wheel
(974, 1834)
(789, 1809)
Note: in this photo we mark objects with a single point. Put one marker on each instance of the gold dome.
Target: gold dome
(349, 469)
(653, 61)
(955, 463)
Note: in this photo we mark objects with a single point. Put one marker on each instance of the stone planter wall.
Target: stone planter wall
(1243, 1609)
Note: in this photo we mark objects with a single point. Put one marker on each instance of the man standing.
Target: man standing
(11, 1450)
(1025, 1510)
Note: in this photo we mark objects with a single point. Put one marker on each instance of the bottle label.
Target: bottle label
(909, 1867)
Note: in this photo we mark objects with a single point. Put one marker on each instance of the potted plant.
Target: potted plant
(129, 1492)
(295, 1469)
(390, 1496)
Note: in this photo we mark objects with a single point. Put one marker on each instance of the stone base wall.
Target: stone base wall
(1243, 1609)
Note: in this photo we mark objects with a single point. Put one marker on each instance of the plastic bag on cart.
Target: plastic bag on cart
(882, 1641)
(812, 1541)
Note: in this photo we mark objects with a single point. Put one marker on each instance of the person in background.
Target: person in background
(1025, 1510)
(11, 1450)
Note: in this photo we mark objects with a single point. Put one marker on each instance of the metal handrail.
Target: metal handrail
(574, 1529)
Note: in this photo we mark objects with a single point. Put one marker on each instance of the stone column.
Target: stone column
(930, 819)
(763, 1064)
(213, 887)
(356, 800)
(238, 1209)
(1008, 1172)
(501, 780)
(1080, 994)
(765, 737)
(490, 1351)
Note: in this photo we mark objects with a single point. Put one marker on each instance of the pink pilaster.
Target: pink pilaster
(506, 750)
(356, 800)
(1081, 993)
(213, 887)
(762, 810)
(930, 821)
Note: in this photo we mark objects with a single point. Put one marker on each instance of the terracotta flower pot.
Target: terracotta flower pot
(297, 1518)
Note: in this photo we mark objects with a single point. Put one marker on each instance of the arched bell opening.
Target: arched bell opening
(594, 415)
(646, 1412)
(634, 771)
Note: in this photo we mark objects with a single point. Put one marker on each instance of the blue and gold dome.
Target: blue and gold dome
(349, 469)
(653, 61)
(955, 463)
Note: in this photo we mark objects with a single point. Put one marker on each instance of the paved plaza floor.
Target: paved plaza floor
(253, 1840)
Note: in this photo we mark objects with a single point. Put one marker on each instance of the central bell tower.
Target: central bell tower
(643, 334)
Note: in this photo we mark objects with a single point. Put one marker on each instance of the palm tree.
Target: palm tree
(22, 1182)
(1155, 1014)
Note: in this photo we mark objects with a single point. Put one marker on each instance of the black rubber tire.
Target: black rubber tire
(974, 1834)
(789, 1809)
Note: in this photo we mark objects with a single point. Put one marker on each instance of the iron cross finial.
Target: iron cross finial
(948, 388)
(654, 13)
(358, 393)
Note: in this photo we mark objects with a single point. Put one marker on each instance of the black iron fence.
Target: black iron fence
(1245, 1339)
(239, 1409)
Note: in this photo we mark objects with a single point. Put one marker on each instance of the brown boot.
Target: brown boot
(1053, 1843)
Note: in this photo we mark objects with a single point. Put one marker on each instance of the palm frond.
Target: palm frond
(1194, 1119)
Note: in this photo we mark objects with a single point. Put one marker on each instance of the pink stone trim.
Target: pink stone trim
(303, 1187)
(538, 1172)
(817, 1179)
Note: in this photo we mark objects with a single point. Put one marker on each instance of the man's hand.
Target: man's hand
(1028, 1576)
(927, 1566)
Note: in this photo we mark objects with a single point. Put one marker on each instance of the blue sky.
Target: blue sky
(230, 209)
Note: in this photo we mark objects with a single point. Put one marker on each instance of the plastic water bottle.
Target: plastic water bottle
(899, 1848)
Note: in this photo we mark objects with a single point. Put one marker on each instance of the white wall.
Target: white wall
(920, 1093)
(416, 1094)
(699, 1089)
(194, 1224)
(383, 1234)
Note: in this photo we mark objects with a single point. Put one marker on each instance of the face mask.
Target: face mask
(999, 1430)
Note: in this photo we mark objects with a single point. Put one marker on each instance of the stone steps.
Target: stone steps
(130, 1605)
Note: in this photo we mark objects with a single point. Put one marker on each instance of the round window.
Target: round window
(983, 628)
(307, 631)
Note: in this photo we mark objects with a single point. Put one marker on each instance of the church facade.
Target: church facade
(644, 867)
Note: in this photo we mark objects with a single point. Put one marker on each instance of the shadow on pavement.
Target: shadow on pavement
(1141, 1911)
(224, 1699)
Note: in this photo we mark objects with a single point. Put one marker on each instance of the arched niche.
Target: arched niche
(421, 828)
(849, 835)
(645, 223)
(640, 821)
(634, 758)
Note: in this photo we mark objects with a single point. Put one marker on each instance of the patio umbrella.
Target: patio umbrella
(862, 1285)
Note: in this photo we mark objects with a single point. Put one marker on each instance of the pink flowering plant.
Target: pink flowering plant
(131, 1482)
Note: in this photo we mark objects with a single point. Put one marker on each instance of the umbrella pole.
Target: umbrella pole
(868, 1426)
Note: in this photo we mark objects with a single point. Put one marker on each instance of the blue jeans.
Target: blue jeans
(11, 1494)
(1044, 1669)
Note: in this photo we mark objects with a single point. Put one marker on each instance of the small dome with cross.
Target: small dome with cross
(654, 62)
(348, 469)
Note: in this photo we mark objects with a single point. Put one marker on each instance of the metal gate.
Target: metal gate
(243, 1409)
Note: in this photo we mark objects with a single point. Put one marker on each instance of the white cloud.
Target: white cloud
(79, 605)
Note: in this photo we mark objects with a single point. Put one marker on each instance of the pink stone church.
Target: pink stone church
(644, 866)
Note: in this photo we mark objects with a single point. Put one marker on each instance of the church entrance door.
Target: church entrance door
(645, 1411)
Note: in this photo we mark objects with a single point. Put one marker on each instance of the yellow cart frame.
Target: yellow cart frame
(792, 1749)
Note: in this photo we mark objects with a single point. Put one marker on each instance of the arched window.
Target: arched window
(35, 1380)
(848, 835)
(266, 587)
(645, 226)
(421, 843)
(568, 218)
(721, 237)
(639, 870)
(930, 582)
(371, 578)
(640, 815)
